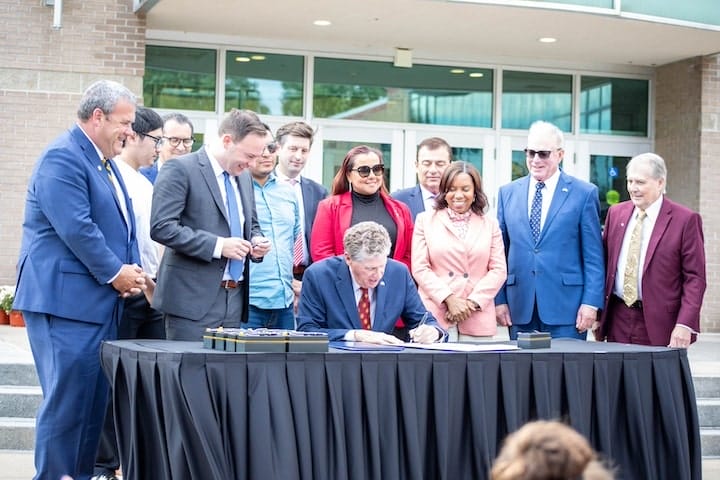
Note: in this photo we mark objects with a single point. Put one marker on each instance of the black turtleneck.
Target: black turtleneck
(372, 208)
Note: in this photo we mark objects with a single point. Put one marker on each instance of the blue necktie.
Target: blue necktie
(236, 266)
(536, 211)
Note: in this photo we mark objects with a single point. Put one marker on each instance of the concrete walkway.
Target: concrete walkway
(14, 348)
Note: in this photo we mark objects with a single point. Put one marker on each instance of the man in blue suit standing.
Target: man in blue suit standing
(434, 155)
(359, 296)
(78, 261)
(551, 228)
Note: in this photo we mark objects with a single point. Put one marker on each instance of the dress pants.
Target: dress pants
(75, 391)
(555, 331)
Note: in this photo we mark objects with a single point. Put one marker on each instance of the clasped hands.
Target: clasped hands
(237, 248)
(130, 281)
(459, 309)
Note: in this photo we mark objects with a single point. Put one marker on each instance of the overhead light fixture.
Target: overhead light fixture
(403, 58)
(242, 59)
(257, 57)
(547, 40)
(476, 75)
(457, 71)
(322, 23)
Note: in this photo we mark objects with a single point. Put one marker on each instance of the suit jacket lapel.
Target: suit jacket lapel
(380, 300)
(620, 221)
(208, 174)
(661, 224)
(562, 192)
(342, 287)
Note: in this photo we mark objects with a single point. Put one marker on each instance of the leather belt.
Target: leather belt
(298, 271)
(638, 305)
(229, 284)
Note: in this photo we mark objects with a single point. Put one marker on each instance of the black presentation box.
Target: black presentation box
(533, 340)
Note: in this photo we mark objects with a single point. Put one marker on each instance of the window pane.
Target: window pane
(529, 96)
(179, 78)
(334, 152)
(378, 91)
(614, 106)
(608, 173)
(519, 164)
(473, 156)
(265, 83)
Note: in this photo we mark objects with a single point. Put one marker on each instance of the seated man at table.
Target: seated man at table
(358, 296)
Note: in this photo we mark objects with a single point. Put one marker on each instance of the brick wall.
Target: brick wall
(687, 130)
(42, 75)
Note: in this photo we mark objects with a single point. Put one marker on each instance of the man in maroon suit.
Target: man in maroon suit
(655, 264)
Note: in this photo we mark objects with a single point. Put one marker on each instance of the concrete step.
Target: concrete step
(19, 401)
(707, 386)
(18, 374)
(17, 433)
(710, 442)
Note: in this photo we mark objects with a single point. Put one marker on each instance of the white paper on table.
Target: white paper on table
(462, 347)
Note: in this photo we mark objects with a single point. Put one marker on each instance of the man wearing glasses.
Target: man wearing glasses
(177, 139)
(551, 229)
(203, 211)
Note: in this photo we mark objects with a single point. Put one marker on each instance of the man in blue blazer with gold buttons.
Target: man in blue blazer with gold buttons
(551, 228)
(78, 259)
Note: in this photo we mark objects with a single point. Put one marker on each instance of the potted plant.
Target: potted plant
(16, 318)
(6, 300)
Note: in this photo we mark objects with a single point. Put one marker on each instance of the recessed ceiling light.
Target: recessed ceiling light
(258, 57)
(547, 40)
(457, 70)
(322, 23)
(242, 59)
(476, 74)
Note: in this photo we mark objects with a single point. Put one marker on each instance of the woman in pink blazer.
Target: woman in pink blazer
(458, 257)
(359, 194)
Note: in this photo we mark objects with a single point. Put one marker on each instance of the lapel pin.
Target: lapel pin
(565, 190)
(99, 168)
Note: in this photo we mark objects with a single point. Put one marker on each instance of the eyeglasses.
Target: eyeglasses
(364, 171)
(157, 140)
(543, 154)
(271, 147)
(175, 141)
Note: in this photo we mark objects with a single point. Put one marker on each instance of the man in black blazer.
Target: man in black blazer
(294, 141)
(433, 157)
(196, 287)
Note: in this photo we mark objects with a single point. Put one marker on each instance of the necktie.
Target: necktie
(632, 267)
(236, 266)
(364, 309)
(536, 211)
(108, 169)
(298, 254)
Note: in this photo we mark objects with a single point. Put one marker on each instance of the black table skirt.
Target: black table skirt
(186, 413)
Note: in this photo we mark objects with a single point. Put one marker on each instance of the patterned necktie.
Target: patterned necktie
(108, 169)
(236, 266)
(632, 267)
(364, 309)
(298, 254)
(536, 211)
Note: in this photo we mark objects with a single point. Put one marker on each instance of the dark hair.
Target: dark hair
(240, 123)
(340, 183)
(433, 143)
(480, 200)
(297, 129)
(179, 118)
(146, 120)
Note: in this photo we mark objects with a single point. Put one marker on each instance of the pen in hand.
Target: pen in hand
(420, 324)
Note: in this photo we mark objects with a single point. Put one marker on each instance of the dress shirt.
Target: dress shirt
(277, 212)
(647, 227)
(297, 188)
(350, 335)
(547, 196)
(140, 191)
(220, 179)
(428, 199)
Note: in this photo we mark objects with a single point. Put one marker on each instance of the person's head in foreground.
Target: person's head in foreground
(547, 450)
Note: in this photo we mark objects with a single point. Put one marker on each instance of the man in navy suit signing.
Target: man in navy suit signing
(551, 228)
(434, 155)
(78, 261)
(360, 295)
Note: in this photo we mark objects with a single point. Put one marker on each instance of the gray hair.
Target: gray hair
(654, 161)
(103, 94)
(366, 239)
(543, 128)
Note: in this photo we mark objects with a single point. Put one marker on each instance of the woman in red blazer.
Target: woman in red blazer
(359, 194)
